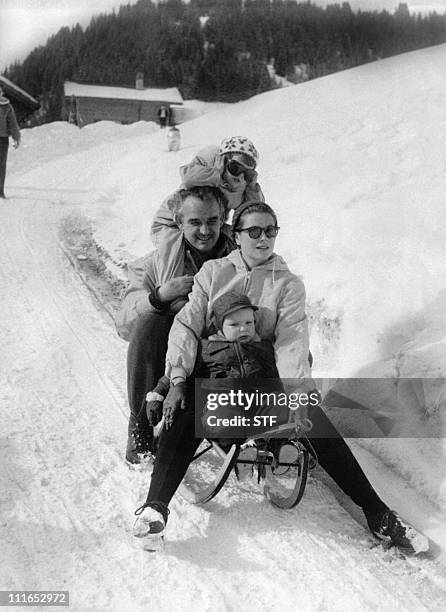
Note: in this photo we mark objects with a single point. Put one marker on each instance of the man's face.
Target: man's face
(201, 223)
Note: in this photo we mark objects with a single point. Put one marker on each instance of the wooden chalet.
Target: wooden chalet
(24, 105)
(84, 104)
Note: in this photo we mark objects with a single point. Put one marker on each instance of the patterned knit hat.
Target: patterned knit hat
(239, 144)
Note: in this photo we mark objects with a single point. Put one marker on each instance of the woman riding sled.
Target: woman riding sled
(255, 270)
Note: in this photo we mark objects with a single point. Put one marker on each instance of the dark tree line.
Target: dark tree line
(218, 49)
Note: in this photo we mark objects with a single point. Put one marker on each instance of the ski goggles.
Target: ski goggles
(256, 231)
(236, 168)
(242, 159)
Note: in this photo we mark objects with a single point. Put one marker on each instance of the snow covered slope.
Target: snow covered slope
(354, 163)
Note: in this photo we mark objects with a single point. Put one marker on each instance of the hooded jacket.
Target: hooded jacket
(279, 295)
(8, 121)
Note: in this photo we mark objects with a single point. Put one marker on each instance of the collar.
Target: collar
(219, 337)
(275, 262)
(221, 249)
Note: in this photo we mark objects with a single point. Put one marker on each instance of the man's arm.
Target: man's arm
(141, 281)
(143, 295)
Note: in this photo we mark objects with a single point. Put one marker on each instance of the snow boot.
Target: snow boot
(140, 447)
(150, 524)
(388, 526)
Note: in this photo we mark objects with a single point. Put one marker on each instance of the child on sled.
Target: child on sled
(235, 352)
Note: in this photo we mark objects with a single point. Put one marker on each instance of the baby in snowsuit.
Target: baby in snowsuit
(234, 352)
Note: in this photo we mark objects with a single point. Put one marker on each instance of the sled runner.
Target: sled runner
(280, 456)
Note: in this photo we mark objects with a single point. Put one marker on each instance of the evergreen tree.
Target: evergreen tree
(217, 49)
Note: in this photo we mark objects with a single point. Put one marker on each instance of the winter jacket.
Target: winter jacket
(153, 270)
(219, 358)
(207, 167)
(222, 359)
(246, 366)
(8, 121)
(280, 296)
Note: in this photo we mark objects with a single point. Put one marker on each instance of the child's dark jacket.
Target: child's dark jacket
(219, 358)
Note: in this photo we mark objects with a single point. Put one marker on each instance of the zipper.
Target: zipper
(246, 281)
(240, 359)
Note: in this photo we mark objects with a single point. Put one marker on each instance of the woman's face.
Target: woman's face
(255, 251)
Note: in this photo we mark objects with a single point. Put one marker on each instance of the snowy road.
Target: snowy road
(66, 497)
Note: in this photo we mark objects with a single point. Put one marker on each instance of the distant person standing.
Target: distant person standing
(173, 139)
(163, 114)
(8, 127)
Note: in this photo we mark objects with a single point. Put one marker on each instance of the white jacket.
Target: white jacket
(280, 296)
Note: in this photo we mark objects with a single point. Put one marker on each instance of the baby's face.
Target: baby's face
(239, 325)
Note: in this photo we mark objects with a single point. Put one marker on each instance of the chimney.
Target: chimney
(139, 80)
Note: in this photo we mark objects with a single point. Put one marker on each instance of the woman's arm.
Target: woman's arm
(188, 327)
(291, 344)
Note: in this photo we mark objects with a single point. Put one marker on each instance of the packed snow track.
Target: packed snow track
(67, 497)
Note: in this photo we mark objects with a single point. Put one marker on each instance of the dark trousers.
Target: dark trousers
(146, 357)
(4, 144)
(178, 444)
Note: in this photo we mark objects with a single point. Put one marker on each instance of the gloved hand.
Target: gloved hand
(177, 304)
(154, 410)
(175, 400)
(301, 415)
(303, 423)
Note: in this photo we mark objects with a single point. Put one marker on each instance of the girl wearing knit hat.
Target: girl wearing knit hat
(230, 166)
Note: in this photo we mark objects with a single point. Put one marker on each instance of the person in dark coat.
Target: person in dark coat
(163, 114)
(235, 352)
(8, 127)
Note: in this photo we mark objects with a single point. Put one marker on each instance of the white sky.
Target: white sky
(25, 24)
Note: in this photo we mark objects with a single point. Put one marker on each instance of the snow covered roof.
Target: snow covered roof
(170, 94)
(13, 90)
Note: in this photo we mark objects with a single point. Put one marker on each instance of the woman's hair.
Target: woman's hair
(206, 194)
(251, 207)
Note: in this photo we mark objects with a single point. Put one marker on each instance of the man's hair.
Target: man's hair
(206, 194)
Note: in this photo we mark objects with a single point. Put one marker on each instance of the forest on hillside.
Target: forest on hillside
(218, 49)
